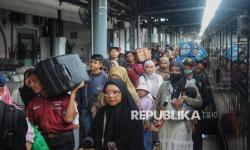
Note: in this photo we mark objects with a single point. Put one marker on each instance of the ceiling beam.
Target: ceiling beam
(122, 5)
(185, 24)
(173, 10)
(76, 2)
(174, 4)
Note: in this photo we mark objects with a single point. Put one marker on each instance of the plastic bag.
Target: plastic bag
(39, 142)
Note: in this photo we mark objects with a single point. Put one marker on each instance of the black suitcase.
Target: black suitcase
(61, 74)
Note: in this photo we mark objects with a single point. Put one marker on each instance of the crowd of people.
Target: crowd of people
(101, 108)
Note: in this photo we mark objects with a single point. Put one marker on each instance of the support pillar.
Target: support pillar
(132, 34)
(52, 35)
(138, 32)
(149, 35)
(99, 27)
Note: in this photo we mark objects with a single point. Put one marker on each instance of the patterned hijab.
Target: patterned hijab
(121, 72)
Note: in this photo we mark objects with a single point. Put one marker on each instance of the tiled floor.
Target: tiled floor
(210, 143)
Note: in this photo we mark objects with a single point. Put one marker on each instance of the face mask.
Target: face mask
(175, 76)
(187, 72)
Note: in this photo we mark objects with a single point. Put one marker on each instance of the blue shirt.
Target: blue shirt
(87, 96)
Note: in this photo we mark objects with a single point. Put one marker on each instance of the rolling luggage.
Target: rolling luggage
(61, 74)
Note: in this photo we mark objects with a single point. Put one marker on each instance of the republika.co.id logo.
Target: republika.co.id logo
(165, 115)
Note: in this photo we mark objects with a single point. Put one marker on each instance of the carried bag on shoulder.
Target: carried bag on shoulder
(61, 73)
(143, 54)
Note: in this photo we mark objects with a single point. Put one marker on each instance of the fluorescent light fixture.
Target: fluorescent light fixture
(84, 1)
(162, 19)
(210, 9)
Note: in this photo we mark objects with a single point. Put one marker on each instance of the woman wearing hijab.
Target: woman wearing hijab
(4, 91)
(174, 134)
(163, 69)
(119, 72)
(23, 95)
(113, 126)
(150, 78)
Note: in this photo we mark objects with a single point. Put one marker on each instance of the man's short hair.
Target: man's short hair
(204, 63)
(30, 72)
(117, 48)
(174, 63)
(97, 57)
(130, 52)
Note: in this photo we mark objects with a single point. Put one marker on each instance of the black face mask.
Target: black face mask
(175, 76)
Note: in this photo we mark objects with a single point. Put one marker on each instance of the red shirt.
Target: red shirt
(48, 114)
(134, 72)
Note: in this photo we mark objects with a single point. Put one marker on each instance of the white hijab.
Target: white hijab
(150, 76)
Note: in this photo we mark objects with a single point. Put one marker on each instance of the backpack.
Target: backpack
(10, 118)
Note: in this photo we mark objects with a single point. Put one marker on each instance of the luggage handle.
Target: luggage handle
(66, 72)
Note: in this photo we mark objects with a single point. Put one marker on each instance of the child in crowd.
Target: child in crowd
(188, 92)
(146, 104)
(188, 97)
(87, 97)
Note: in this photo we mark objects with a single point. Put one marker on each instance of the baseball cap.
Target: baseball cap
(188, 61)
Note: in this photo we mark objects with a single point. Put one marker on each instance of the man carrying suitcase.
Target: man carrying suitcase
(53, 116)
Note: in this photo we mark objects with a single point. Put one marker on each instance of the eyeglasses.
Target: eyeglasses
(114, 93)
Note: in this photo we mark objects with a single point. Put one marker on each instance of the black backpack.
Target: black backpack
(10, 129)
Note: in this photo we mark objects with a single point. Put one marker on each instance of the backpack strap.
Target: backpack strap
(2, 109)
(15, 118)
(2, 121)
(11, 122)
